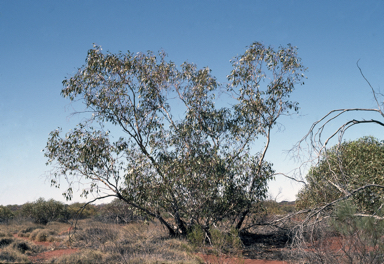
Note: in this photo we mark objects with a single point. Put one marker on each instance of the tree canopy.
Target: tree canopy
(177, 153)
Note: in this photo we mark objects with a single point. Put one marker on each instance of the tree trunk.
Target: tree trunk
(180, 224)
(241, 219)
(171, 232)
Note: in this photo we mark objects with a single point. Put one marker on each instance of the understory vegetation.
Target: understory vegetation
(102, 237)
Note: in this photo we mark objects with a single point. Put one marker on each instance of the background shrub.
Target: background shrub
(5, 214)
(42, 212)
(117, 212)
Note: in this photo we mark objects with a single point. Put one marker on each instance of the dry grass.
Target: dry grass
(4, 242)
(9, 255)
(16, 250)
(42, 235)
(101, 243)
(132, 243)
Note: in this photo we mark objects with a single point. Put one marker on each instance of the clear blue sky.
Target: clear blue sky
(42, 42)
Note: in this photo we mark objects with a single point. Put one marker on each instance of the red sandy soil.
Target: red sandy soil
(47, 255)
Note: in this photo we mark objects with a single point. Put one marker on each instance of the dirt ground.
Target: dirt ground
(260, 248)
(53, 250)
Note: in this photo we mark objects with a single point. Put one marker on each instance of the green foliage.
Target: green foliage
(347, 221)
(347, 167)
(78, 211)
(225, 241)
(5, 214)
(42, 212)
(181, 154)
(196, 236)
(118, 212)
(220, 241)
(362, 234)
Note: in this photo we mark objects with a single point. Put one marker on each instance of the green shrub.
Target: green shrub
(363, 240)
(351, 165)
(196, 236)
(225, 241)
(220, 240)
(42, 212)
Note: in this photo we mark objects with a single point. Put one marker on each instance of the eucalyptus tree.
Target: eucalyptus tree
(178, 153)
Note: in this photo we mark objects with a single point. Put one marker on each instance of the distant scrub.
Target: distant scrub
(42, 212)
(5, 214)
(117, 212)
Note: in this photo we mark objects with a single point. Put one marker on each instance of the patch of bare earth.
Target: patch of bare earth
(54, 250)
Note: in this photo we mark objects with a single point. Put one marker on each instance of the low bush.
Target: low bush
(97, 235)
(197, 237)
(344, 237)
(226, 241)
(45, 235)
(26, 232)
(12, 256)
(219, 240)
(5, 233)
(42, 235)
(4, 242)
(21, 246)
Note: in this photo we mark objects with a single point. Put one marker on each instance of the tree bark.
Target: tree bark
(180, 224)
(241, 219)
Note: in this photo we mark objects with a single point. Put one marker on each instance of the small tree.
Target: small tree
(180, 154)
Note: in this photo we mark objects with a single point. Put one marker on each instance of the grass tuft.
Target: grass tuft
(9, 255)
(4, 242)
